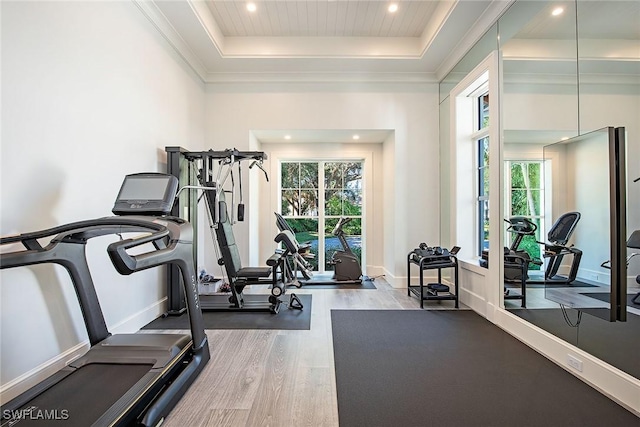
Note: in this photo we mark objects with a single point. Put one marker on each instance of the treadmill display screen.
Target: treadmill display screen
(146, 194)
(144, 189)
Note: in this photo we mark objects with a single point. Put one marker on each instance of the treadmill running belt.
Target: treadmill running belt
(82, 397)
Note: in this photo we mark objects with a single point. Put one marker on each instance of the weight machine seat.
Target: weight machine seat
(254, 272)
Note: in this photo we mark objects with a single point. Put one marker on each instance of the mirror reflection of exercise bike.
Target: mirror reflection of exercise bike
(555, 250)
(346, 266)
(516, 260)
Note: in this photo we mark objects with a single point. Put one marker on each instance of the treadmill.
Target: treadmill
(123, 379)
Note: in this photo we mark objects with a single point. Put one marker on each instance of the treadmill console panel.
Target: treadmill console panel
(146, 194)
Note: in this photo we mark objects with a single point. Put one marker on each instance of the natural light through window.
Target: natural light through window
(314, 196)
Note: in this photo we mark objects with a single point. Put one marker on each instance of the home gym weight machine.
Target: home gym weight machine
(205, 174)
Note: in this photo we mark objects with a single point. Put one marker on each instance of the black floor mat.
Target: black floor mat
(287, 319)
(453, 368)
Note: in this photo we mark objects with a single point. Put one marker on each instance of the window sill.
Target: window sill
(472, 264)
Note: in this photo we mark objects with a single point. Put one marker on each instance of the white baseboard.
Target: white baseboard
(137, 320)
(393, 280)
(376, 271)
(474, 301)
(34, 376)
(30, 378)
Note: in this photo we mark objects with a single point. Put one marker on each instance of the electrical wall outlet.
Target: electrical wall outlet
(574, 362)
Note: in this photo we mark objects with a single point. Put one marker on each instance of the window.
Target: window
(525, 188)
(339, 196)
(343, 198)
(299, 189)
(474, 145)
(481, 138)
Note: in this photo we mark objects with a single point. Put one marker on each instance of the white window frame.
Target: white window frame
(478, 135)
(463, 180)
(507, 196)
(320, 215)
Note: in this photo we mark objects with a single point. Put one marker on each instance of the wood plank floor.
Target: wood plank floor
(274, 377)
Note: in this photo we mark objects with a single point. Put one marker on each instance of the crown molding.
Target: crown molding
(175, 40)
(320, 77)
(475, 33)
(200, 14)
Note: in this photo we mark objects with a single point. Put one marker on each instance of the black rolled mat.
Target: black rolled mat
(453, 368)
(286, 319)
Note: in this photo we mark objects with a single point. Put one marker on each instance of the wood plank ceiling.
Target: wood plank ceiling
(322, 18)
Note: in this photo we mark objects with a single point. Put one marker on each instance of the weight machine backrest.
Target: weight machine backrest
(227, 241)
(282, 223)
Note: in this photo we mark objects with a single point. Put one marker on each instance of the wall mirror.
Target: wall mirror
(565, 75)
(584, 251)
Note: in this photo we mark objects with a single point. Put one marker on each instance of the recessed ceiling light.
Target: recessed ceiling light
(393, 7)
(557, 11)
(564, 138)
(287, 137)
(251, 7)
(356, 137)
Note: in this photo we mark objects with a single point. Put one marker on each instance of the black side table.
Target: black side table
(431, 263)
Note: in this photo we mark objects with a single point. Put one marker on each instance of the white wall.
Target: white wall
(90, 92)
(410, 204)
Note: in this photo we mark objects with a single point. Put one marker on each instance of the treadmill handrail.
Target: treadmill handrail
(77, 233)
(78, 226)
(127, 264)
